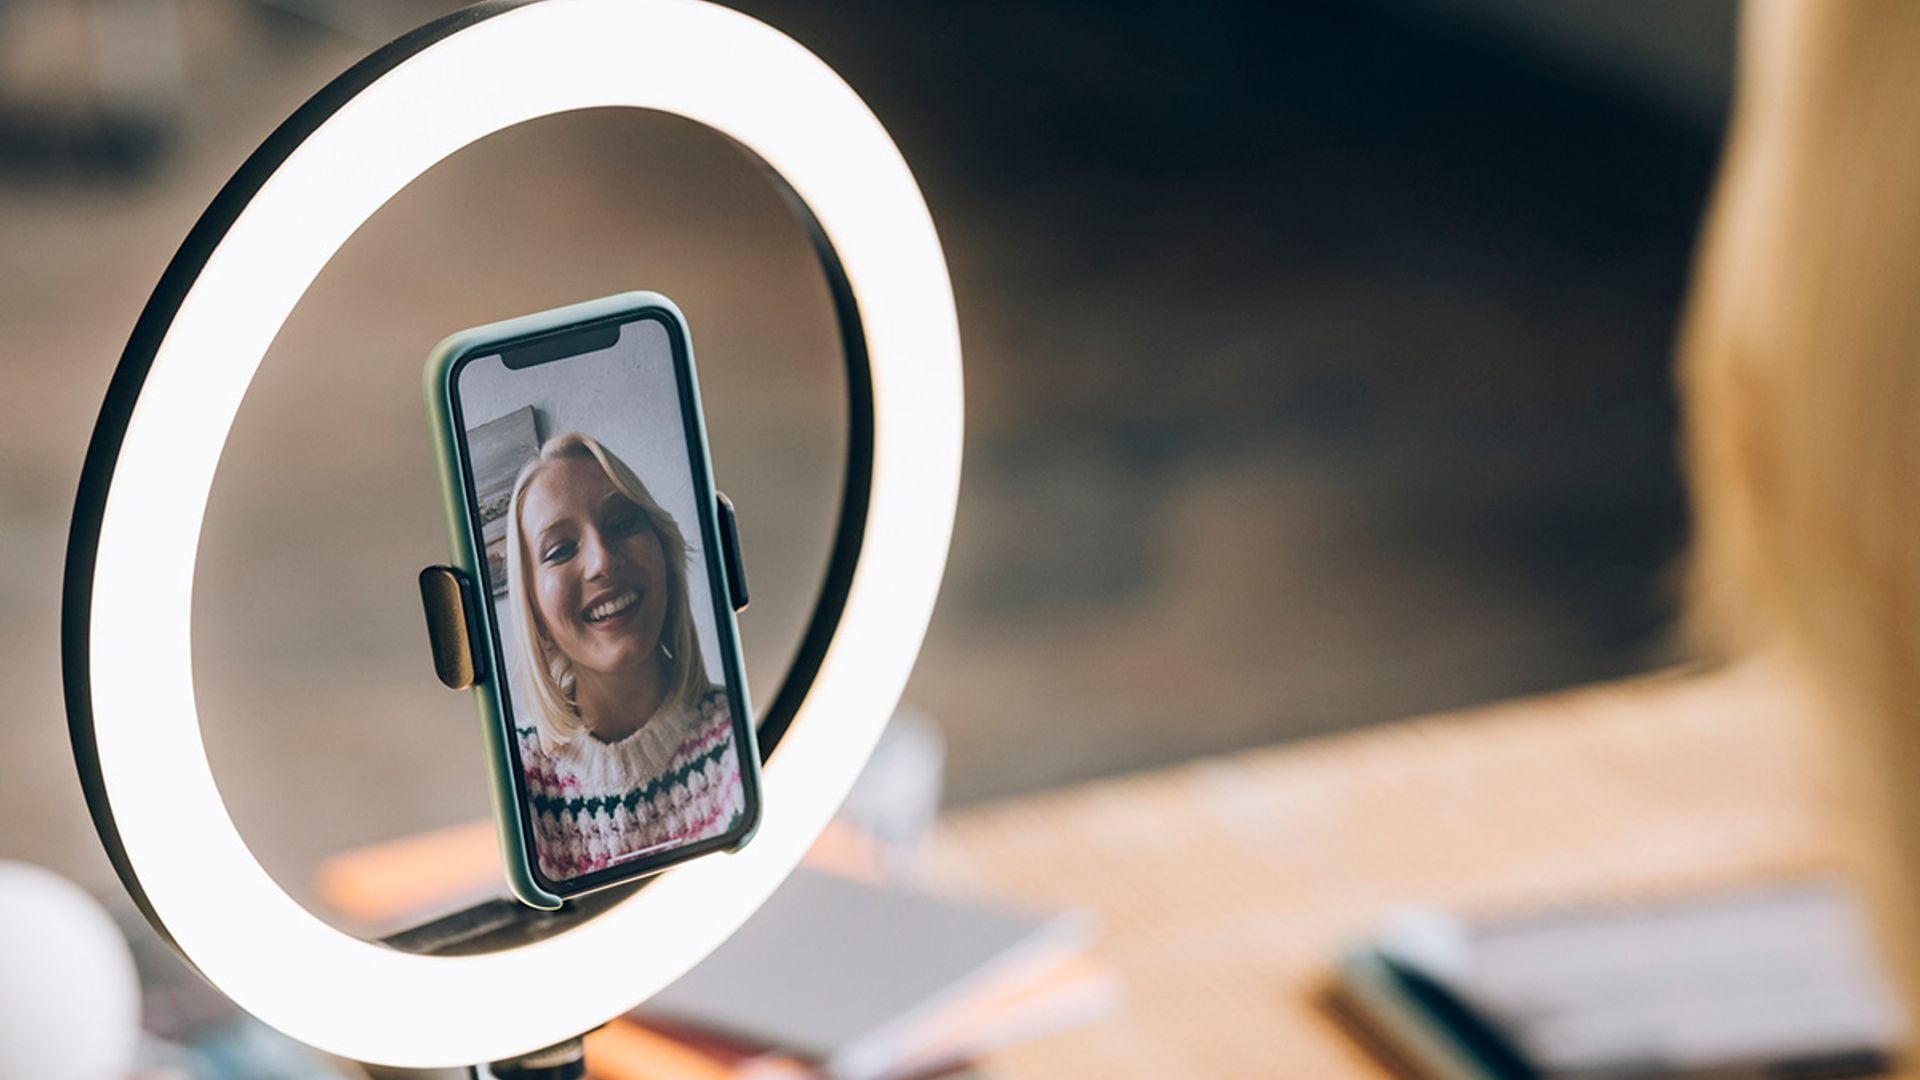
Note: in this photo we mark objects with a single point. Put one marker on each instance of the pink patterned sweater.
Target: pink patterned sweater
(595, 804)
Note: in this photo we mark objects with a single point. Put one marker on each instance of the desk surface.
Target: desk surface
(1225, 887)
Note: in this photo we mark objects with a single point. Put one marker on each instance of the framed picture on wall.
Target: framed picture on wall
(499, 448)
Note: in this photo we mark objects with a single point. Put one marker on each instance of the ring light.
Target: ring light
(174, 397)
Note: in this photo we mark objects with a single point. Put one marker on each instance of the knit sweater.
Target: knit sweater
(595, 804)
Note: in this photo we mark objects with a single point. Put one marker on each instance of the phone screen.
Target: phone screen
(618, 665)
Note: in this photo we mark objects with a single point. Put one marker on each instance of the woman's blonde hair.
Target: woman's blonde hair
(1801, 375)
(547, 676)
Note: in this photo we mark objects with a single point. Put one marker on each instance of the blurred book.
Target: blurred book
(639, 1048)
(1775, 982)
(855, 980)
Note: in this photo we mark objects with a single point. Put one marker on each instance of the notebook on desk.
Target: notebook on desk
(1771, 982)
(858, 979)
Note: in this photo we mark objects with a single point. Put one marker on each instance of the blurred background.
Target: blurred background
(1318, 371)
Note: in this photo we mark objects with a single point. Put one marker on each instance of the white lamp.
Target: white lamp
(127, 635)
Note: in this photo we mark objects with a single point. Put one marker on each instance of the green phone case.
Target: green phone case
(495, 716)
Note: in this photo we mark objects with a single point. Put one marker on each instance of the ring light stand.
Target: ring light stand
(126, 634)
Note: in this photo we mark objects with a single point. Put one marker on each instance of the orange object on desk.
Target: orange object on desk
(414, 876)
(389, 884)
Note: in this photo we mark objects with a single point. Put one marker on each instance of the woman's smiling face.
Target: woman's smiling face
(598, 572)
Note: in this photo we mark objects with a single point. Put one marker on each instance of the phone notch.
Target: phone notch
(559, 346)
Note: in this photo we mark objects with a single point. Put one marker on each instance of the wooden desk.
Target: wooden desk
(1225, 887)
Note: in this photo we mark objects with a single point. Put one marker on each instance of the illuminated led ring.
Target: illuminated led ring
(130, 561)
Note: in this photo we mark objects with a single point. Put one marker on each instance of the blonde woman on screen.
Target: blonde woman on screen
(630, 746)
(1801, 377)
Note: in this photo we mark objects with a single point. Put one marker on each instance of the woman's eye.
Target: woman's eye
(628, 523)
(558, 552)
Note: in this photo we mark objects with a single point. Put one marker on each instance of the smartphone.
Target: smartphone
(600, 577)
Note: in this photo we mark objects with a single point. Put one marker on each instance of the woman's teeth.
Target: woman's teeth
(607, 610)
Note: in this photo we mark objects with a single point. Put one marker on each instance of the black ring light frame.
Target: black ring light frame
(462, 931)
